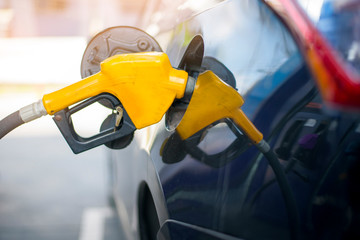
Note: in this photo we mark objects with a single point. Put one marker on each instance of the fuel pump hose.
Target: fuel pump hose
(9, 123)
(24, 115)
(289, 198)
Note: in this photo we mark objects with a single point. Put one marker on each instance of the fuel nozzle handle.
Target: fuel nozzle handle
(145, 83)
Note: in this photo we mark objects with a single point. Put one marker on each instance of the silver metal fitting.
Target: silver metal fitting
(263, 146)
(32, 111)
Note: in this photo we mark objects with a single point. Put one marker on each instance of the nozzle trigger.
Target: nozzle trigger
(122, 127)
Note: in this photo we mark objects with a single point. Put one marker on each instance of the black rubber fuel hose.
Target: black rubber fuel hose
(289, 199)
(9, 123)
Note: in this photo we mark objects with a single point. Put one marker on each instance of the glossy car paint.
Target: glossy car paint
(216, 185)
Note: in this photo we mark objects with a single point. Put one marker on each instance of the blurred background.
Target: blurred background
(46, 191)
(42, 42)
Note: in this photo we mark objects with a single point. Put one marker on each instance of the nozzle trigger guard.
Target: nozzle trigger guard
(80, 144)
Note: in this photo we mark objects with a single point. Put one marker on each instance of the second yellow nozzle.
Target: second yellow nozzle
(211, 101)
(145, 83)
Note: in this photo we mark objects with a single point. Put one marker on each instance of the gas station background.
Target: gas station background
(46, 191)
(41, 47)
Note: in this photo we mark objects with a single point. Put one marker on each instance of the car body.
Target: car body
(216, 185)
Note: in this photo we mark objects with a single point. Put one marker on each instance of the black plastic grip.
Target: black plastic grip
(80, 144)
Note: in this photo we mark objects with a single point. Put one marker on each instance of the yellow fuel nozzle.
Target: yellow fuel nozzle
(211, 101)
(145, 83)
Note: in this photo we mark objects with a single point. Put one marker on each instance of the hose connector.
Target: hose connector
(263, 146)
(32, 111)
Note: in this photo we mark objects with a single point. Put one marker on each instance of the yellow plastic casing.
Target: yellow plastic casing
(145, 83)
(211, 101)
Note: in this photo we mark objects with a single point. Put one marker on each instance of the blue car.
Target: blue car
(216, 184)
